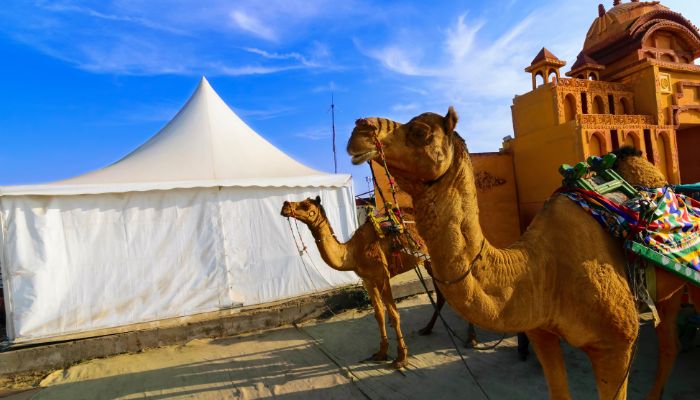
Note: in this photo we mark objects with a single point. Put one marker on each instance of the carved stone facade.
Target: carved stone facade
(633, 83)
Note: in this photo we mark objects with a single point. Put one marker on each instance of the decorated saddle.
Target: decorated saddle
(660, 225)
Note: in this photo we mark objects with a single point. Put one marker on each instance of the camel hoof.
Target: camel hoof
(471, 343)
(425, 331)
(376, 357)
(399, 364)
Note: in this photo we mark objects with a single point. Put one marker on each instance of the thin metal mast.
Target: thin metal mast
(335, 158)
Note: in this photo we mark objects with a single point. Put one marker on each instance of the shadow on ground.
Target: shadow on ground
(322, 361)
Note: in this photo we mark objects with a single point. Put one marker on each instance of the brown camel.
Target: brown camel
(375, 261)
(564, 278)
(635, 169)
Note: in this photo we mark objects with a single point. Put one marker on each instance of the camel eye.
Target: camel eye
(420, 134)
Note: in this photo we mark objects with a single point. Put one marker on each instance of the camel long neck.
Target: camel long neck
(448, 218)
(334, 253)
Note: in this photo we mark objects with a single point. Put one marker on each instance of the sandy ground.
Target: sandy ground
(322, 360)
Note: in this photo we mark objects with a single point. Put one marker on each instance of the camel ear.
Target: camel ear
(318, 200)
(451, 120)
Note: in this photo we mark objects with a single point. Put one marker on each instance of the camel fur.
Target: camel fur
(636, 170)
(564, 278)
(374, 260)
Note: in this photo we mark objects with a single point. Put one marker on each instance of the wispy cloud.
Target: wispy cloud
(64, 8)
(476, 68)
(265, 114)
(131, 38)
(405, 107)
(315, 133)
(327, 88)
(252, 25)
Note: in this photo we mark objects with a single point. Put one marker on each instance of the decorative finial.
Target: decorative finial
(601, 10)
(616, 3)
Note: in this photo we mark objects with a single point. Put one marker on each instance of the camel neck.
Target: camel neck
(448, 218)
(334, 253)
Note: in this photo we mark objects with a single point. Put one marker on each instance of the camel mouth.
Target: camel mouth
(286, 211)
(364, 157)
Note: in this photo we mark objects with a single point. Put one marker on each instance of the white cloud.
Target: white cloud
(315, 133)
(282, 56)
(330, 87)
(405, 107)
(252, 25)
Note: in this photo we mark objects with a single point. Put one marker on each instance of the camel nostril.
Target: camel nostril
(361, 123)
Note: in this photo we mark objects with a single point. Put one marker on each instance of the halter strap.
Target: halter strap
(466, 273)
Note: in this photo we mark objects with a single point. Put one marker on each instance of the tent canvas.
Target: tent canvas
(186, 223)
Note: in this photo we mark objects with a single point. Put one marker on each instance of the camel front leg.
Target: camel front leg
(551, 357)
(667, 334)
(611, 368)
(395, 321)
(378, 306)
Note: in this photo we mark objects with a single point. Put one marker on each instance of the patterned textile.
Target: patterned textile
(660, 220)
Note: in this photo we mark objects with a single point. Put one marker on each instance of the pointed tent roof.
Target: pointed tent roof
(206, 144)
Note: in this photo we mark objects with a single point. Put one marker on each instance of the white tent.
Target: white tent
(187, 223)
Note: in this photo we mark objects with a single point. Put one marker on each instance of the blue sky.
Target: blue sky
(85, 82)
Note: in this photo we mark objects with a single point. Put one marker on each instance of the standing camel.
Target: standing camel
(636, 170)
(375, 261)
(564, 278)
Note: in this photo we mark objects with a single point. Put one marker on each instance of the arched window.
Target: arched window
(626, 106)
(596, 145)
(539, 79)
(662, 146)
(631, 139)
(592, 76)
(570, 109)
(598, 105)
(580, 76)
(552, 76)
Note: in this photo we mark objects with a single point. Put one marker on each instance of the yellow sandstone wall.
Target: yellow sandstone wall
(496, 189)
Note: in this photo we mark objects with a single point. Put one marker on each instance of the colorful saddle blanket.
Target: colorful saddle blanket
(660, 225)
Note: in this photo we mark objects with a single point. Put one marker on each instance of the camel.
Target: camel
(564, 278)
(636, 170)
(374, 260)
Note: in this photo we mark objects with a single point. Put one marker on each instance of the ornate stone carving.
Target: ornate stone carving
(615, 120)
(484, 180)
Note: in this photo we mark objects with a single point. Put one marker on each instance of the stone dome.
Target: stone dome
(616, 23)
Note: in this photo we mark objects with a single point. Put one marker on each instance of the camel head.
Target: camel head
(420, 150)
(636, 169)
(307, 211)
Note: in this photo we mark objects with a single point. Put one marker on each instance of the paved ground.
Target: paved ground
(321, 360)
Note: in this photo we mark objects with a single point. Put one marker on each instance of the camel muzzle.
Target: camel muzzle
(286, 210)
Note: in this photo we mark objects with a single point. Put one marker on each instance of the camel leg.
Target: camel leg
(471, 336)
(378, 306)
(439, 303)
(551, 357)
(395, 321)
(667, 334)
(611, 366)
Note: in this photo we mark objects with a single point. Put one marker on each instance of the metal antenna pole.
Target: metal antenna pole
(335, 158)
